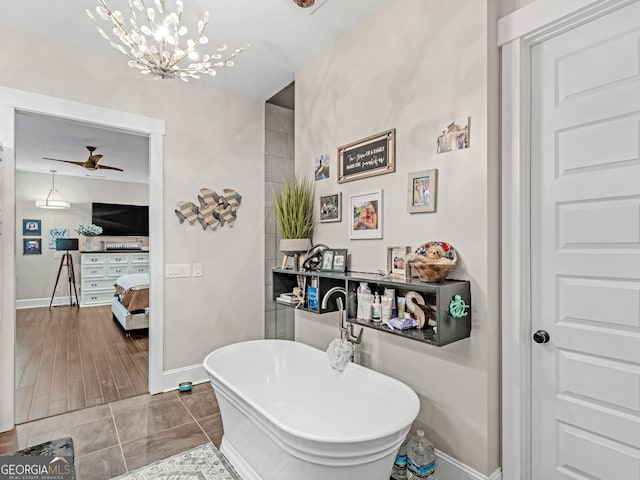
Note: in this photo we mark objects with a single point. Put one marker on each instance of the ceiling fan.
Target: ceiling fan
(91, 163)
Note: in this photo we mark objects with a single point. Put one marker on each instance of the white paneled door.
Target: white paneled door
(585, 160)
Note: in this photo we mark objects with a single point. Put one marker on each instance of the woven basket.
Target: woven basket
(432, 273)
(429, 271)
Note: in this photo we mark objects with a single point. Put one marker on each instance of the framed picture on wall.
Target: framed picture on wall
(31, 227)
(31, 246)
(54, 234)
(421, 191)
(330, 207)
(365, 212)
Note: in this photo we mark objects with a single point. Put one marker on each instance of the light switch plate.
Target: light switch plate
(178, 270)
(197, 269)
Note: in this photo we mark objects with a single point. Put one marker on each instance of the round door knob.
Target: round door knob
(541, 336)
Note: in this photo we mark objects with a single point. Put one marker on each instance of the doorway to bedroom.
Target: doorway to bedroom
(70, 356)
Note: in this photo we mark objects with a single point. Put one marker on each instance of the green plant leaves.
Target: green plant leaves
(294, 208)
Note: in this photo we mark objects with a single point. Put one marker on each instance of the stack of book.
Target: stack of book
(288, 299)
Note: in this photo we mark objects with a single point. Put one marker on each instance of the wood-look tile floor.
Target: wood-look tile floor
(121, 436)
(70, 358)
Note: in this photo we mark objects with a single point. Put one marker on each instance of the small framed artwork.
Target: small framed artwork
(31, 227)
(421, 191)
(454, 136)
(31, 246)
(396, 262)
(331, 207)
(334, 260)
(366, 216)
(321, 168)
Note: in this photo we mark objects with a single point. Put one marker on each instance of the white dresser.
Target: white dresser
(99, 271)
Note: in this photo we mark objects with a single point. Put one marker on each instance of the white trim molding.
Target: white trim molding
(517, 34)
(192, 373)
(12, 100)
(42, 302)
(448, 468)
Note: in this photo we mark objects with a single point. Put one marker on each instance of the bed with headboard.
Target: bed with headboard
(130, 306)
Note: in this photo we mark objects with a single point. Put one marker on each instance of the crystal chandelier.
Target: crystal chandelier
(50, 200)
(156, 46)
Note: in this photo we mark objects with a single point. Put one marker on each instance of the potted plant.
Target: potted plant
(89, 231)
(294, 215)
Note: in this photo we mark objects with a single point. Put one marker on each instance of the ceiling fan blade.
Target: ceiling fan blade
(95, 158)
(107, 167)
(81, 164)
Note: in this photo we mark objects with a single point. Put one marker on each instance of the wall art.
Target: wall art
(55, 233)
(365, 212)
(31, 246)
(321, 168)
(330, 207)
(454, 136)
(214, 209)
(31, 227)
(422, 191)
(374, 155)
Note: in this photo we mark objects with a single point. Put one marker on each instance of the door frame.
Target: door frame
(517, 34)
(12, 100)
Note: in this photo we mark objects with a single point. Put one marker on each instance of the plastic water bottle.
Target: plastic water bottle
(421, 459)
(399, 471)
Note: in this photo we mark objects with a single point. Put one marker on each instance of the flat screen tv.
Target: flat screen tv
(121, 220)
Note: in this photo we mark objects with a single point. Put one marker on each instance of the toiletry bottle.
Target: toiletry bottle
(376, 313)
(362, 289)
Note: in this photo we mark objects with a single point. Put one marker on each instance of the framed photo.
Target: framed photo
(374, 155)
(422, 191)
(31, 246)
(331, 207)
(334, 260)
(365, 212)
(396, 263)
(321, 167)
(454, 136)
(31, 227)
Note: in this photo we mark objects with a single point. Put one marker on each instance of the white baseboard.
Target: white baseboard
(41, 302)
(448, 468)
(193, 373)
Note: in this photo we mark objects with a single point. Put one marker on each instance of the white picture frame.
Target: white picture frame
(366, 224)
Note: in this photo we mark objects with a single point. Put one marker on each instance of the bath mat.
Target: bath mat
(202, 463)
(62, 447)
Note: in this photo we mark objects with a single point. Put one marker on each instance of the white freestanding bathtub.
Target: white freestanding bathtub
(288, 415)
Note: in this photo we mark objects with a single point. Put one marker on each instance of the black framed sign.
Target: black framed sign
(374, 155)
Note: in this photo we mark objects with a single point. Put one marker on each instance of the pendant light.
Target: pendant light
(50, 201)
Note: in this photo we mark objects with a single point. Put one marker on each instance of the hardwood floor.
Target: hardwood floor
(69, 358)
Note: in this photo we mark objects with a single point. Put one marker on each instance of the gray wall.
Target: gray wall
(279, 162)
(438, 66)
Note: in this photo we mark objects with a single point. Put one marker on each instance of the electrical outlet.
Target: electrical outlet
(197, 269)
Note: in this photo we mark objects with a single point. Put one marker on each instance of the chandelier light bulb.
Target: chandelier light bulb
(152, 38)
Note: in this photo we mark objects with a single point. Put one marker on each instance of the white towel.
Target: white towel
(134, 281)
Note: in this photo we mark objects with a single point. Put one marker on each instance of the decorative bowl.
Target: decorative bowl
(433, 261)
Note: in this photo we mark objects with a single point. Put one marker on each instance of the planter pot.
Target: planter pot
(292, 246)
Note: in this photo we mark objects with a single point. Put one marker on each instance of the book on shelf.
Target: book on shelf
(288, 299)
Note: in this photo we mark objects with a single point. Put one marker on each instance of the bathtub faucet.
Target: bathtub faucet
(346, 333)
